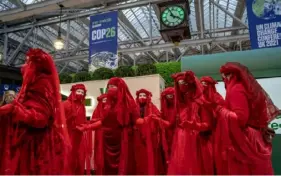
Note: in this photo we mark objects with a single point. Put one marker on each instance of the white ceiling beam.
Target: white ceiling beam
(74, 16)
(168, 46)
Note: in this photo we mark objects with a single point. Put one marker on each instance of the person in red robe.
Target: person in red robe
(118, 117)
(149, 154)
(98, 143)
(38, 142)
(210, 91)
(167, 120)
(75, 113)
(243, 139)
(211, 95)
(192, 149)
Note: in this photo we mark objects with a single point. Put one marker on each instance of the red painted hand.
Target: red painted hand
(155, 117)
(81, 127)
(187, 124)
(147, 119)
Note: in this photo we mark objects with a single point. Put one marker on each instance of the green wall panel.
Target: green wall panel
(262, 62)
(276, 154)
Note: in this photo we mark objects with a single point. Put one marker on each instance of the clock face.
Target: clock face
(173, 16)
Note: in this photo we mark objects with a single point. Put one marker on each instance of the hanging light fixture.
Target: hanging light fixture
(59, 43)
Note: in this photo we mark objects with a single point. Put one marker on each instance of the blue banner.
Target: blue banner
(5, 87)
(103, 41)
(264, 18)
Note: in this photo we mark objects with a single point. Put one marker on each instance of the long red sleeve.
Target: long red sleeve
(67, 110)
(135, 114)
(36, 110)
(238, 103)
(36, 116)
(206, 120)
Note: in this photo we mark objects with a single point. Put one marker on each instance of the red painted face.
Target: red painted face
(104, 100)
(112, 90)
(183, 86)
(226, 78)
(79, 94)
(142, 98)
(170, 98)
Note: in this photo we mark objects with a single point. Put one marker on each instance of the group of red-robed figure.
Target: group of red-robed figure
(196, 131)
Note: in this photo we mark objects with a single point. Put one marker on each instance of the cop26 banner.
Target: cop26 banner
(103, 41)
(264, 18)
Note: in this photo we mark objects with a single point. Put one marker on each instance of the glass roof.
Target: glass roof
(135, 25)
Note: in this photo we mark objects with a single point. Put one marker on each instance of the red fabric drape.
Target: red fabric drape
(115, 153)
(210, 91)
(212, 96)
(37, 141)
(168, 112)
(149, 155)
(191, 149)
(75, 113)
(242, 148)
(98, 143)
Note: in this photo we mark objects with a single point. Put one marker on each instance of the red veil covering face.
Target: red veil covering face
(210, 91)
(169, 113)
(118, 117)
(39, 141)
(149, 158)
(191, 150)
(76, 114)
(243, 139)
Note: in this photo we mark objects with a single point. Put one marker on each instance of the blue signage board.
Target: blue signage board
(264, 17)
(103, 33)
(5, 87)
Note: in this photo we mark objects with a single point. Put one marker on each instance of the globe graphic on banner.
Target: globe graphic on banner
(103, 59)
(267, 9)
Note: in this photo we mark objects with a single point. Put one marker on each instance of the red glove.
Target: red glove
(148, 119)
(187, 124)
(195, 125)
(92, 126)
(81, 128)
(20, 113)
(226, 113)
(155, 117)
(6, 109)
(201, 126)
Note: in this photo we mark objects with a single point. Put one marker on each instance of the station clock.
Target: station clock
(174, 20)
(173, 16)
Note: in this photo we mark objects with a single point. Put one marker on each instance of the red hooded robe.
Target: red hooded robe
(243, 140)
(98, 142)
(38, 141)
(168, 112)
(191, 149)
(75, 114)
(210, 91)
(117, 119)
(149, 155)
(212, 96)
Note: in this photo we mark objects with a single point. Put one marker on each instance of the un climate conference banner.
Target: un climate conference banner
(103, 41)
(264, 18)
